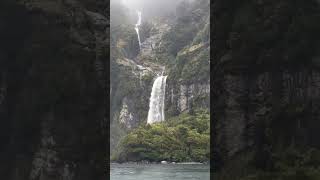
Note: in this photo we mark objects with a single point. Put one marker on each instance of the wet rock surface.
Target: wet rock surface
(265, 79)
(53, 84)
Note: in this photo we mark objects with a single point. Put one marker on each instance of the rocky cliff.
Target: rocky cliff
(53, 60)
(265, 82)
(177, 43)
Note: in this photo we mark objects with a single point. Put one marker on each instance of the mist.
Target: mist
(151, 8)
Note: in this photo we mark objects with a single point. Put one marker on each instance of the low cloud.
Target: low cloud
(152, 7)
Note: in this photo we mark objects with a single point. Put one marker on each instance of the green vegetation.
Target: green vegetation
(198, 68)
(203, 35)
(182, 138)
(188, 34)
(190, 28)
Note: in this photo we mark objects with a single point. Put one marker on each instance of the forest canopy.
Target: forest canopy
(179, 139)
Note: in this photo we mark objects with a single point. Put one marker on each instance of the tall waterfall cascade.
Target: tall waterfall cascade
(156, 106)
(137, 27)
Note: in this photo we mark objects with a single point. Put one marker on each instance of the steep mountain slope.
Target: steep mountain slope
(178, 44)
(266, 88)
(53, 60)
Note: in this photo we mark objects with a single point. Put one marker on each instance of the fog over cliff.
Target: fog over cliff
(151, 8)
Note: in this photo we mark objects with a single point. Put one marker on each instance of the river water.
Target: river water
(159, 172)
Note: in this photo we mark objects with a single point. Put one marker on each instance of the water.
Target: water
(160, 172)
(156, 106)
(137, 27)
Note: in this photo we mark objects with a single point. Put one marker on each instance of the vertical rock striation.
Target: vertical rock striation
(265, 79)
(53, 84)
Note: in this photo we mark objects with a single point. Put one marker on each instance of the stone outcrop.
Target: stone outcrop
(186, 97)
(265, 78)
(53, 89)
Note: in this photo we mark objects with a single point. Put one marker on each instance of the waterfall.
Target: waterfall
(137, 27)
(156, 106)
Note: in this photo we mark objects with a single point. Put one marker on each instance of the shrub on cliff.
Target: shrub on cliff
(182, 138)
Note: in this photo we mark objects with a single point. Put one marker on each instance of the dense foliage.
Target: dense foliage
(182, 138)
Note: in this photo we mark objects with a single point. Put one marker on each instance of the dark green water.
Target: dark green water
(159, 172)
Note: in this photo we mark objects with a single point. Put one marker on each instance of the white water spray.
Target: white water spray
(156, 106)
(137, 27)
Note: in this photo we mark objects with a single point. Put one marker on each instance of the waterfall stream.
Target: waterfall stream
(137, 27)
(156, 106)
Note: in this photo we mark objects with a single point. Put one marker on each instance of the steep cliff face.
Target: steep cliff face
(188, 59)
(177, 44)
(53, 84)
(131, 81)
(130, 90)
(265, 80)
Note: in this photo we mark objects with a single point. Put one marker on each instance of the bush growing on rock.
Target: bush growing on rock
(182, 138)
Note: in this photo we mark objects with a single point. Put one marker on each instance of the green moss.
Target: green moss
(197, 69)
(203, 35)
